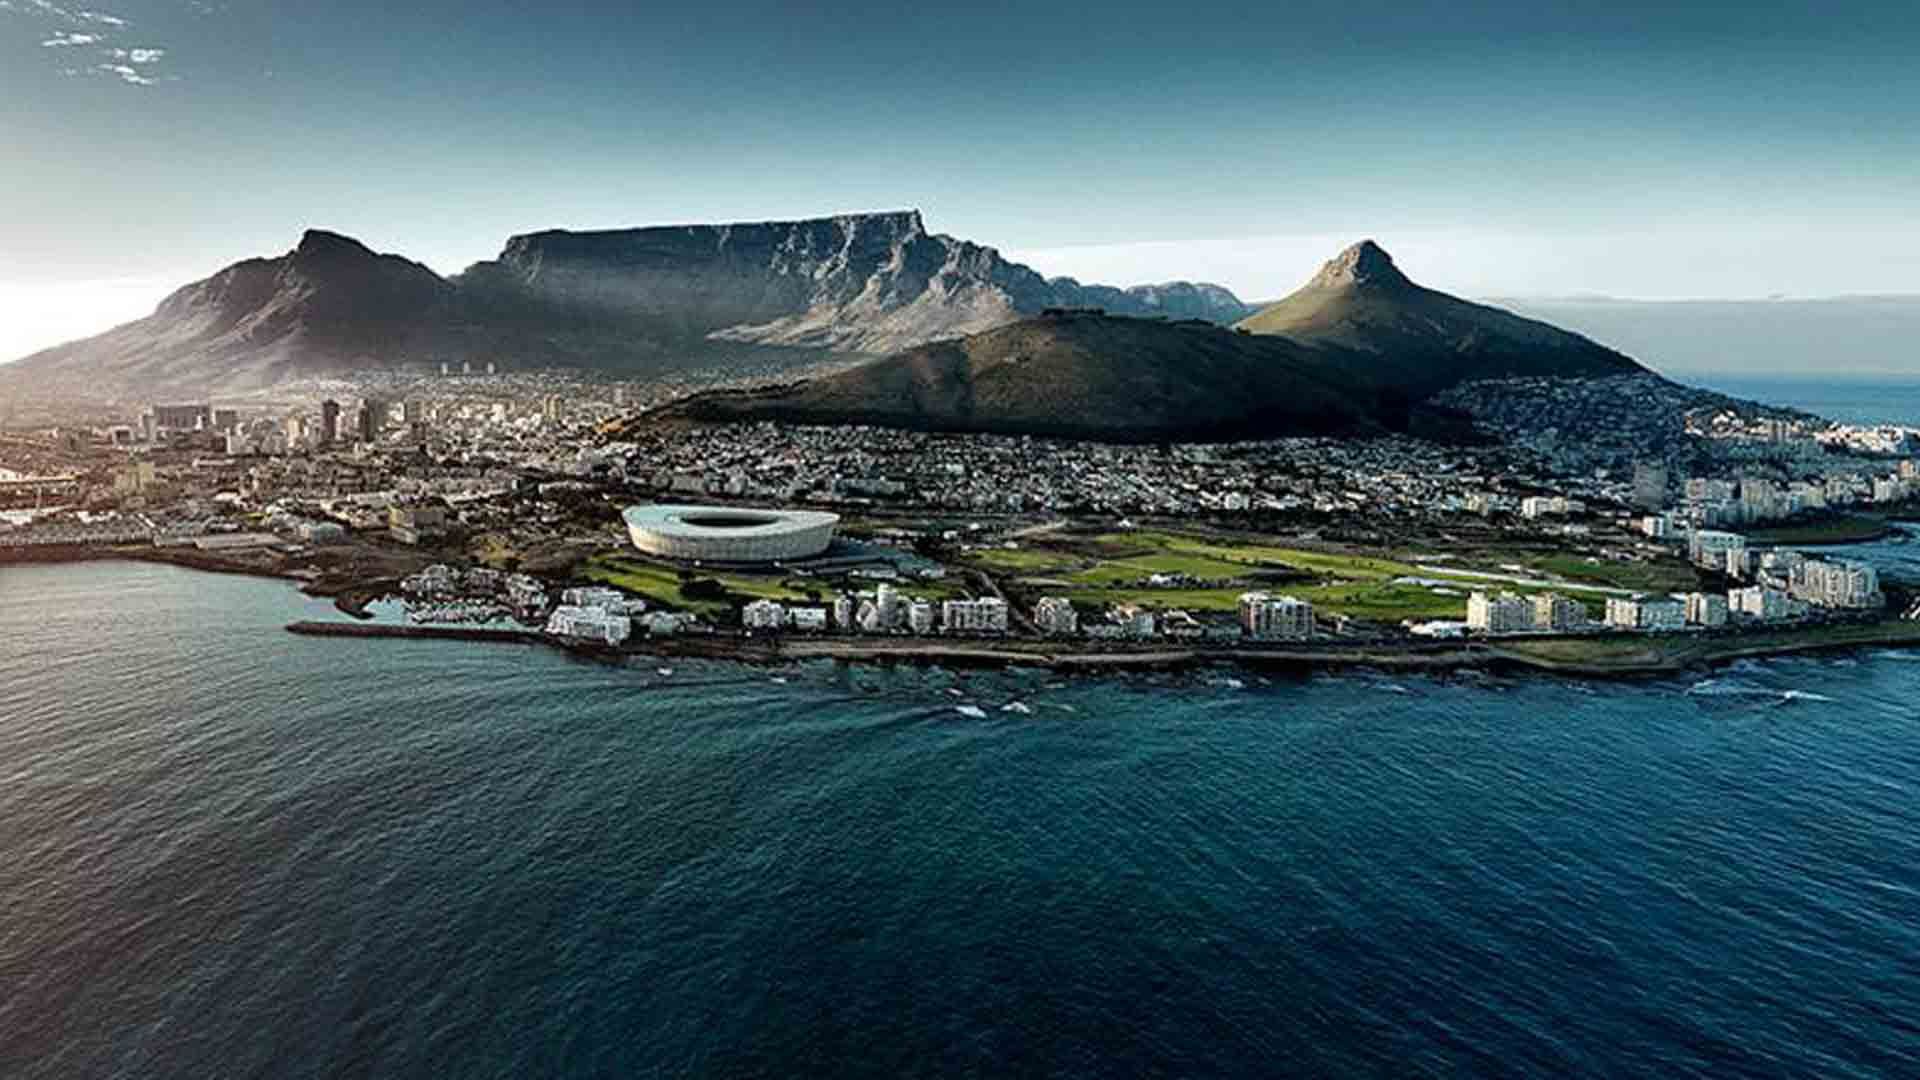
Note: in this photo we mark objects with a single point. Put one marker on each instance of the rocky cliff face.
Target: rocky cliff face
(870, 283)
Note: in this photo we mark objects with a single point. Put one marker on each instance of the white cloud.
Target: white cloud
(126, 74)
(137, 56)
(64, 39)
(100, 17)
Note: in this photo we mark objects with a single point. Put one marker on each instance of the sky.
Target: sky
(1497, 147)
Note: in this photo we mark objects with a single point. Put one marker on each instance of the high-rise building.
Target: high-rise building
(373, 419)
(1650, 485)
(329, 421)
(182, 417)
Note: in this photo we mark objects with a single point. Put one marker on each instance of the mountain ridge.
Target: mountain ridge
(1359, 348)
(635, 301)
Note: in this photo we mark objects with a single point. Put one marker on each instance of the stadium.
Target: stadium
(729, 534)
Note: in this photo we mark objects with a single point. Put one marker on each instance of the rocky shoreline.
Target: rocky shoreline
(1660, 658)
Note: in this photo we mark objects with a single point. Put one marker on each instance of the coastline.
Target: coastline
(1578, 657)
(1652, 658)
(350, 595)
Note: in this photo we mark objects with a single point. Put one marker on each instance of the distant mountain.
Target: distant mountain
(328, 303)
(869, 283)
(1420, 340)
(1080, 375)
(1359, 349)
(635, 301)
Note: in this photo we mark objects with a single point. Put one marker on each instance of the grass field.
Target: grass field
(1640, 577)
(1103, 569)
(1361, 586)
(663, 584)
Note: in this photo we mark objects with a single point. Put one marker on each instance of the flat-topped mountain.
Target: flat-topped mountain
(635, 301)
(1420, 339)
(872, 283)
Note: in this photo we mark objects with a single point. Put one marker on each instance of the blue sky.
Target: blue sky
(1498, 148)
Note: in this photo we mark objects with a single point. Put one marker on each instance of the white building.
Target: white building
(589, 624)
(1759, 602)
(808, 619)
(1648, 613)
(1055, 615)
(1709, 547)
(764, 615)
(920, 616)
(890, 606)
(1506, 613)
(1839, 584)
(1706, 609)
(1552, 611)
(1263, 615)
(987, 615)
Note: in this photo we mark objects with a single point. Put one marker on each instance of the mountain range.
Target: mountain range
(1359, 349)
(633, 301)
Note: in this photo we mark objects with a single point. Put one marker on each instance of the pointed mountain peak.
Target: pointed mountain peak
(321, 244)
(1364, 264)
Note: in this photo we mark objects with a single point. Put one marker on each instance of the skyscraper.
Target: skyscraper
(329, 421)
(373, 419)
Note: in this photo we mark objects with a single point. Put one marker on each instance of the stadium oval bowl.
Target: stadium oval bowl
(729, 534)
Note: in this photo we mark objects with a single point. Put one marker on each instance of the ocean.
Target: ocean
(1848, 400)
(229, 851)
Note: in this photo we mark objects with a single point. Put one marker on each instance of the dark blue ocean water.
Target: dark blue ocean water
(226, 851)
(1845, 399)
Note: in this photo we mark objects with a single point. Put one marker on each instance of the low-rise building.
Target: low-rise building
(764, 615)
(1055, 615)
(589, 624)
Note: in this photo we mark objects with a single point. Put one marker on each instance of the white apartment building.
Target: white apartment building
(1055, 615)
(1552, 611)
(1758, 602)
(1839, 584)
(920, 616)
(1706, 609)
(1263, 615)
(1649, 613)
(589, 624)
(1505, 613)
(987, 615)
(764, 615)
(1709, 547)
